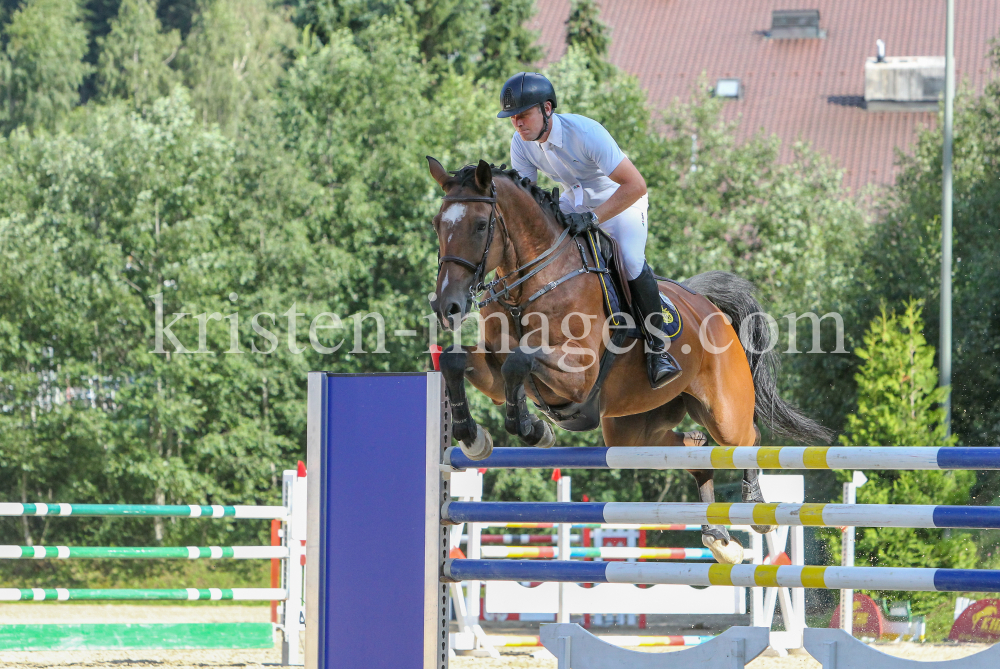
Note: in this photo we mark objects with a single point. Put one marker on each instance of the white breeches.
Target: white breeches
(630, 230)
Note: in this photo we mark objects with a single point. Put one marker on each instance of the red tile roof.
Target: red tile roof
(797, 89)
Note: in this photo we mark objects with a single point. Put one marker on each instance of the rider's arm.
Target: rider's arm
(631, 186)
(519, 160)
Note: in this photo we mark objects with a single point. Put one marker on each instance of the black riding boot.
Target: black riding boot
(662, 366)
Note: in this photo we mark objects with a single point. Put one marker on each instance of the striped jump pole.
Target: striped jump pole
(814, 515)
(741, 457)
(608, 526)
(621, 640)
(180, 552)
(829, 578)
(176, 510)
(186, 594)
(603, 553)
(520, 539)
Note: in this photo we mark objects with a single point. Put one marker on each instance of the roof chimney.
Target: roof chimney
(795, 24)
(911, 83)
(880, 49)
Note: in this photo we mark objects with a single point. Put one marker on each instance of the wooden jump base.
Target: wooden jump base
(381, 455)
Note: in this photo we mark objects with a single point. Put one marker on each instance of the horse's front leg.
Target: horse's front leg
(474, 363)
(725, 548)
(519, 421)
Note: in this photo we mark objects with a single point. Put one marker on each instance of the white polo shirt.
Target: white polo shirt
(579, 154)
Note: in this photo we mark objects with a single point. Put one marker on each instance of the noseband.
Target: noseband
(478, 270)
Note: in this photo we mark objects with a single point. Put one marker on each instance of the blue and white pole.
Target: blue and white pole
(813, 515)
(741, 457)
(830, 578)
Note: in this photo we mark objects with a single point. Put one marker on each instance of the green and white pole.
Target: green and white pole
(185, 594)
(128, 552)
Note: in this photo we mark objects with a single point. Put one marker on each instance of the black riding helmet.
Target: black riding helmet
(523, 91)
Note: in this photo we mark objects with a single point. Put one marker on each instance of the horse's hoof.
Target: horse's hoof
(763, 529)
(481, 446)
(548, 436)
(695, 439)
(730, 552)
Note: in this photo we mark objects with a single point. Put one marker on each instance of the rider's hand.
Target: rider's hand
(580, 223)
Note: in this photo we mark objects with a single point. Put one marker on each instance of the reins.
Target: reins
(502, 296)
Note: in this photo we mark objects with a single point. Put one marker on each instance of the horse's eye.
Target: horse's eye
(481, 226)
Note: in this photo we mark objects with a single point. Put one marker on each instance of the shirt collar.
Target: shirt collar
(556, 134)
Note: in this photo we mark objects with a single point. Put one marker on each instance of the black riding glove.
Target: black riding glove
(580, 223)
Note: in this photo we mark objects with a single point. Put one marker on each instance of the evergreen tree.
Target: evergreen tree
(448, 33)
(898, 397)
(135, 58)
(586, 31)
(898, 405)
(41, 67)
(507, 45)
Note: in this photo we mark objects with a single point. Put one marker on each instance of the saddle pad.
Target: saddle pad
(612, 302)
(672, 325)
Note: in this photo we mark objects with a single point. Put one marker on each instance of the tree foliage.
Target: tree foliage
(41, 67)
(898, 406)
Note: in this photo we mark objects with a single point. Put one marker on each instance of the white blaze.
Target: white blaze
(453, 214)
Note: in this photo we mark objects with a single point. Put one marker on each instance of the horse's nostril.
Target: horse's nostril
(454, 309)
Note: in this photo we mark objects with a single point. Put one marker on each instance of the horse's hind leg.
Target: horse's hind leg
(519, 421)
(656, 428)
(751, 489)
(731, 424)
(726, 549)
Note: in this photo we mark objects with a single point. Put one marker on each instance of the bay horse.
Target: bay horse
(491, 220)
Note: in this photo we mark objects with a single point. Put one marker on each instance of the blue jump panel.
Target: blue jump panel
(373, 488)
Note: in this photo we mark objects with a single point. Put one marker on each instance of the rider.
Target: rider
(601, 186)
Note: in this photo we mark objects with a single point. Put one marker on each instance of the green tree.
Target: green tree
(233, 57)
(586, 31)
(898, 396)
(136, 55)
(507, 45)
(41, 67)
(448, 33)
(905, 255)
(898, 406)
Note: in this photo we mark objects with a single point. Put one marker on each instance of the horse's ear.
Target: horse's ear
(484, 175)
(438, 171)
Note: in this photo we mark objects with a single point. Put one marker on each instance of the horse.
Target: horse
(490, 220)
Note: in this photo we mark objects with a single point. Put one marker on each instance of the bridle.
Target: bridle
(478, 270)
(502, 295)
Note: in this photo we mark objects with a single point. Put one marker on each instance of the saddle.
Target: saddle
(617, 299)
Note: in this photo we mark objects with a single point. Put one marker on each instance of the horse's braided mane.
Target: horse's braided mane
(546, 199)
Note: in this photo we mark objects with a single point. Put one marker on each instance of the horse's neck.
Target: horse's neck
(530, 230)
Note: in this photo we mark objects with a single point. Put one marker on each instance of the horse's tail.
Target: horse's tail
(735, 297)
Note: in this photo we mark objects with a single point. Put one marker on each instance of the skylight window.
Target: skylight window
(728, 88)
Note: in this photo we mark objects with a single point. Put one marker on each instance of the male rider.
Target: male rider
(601, 186)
